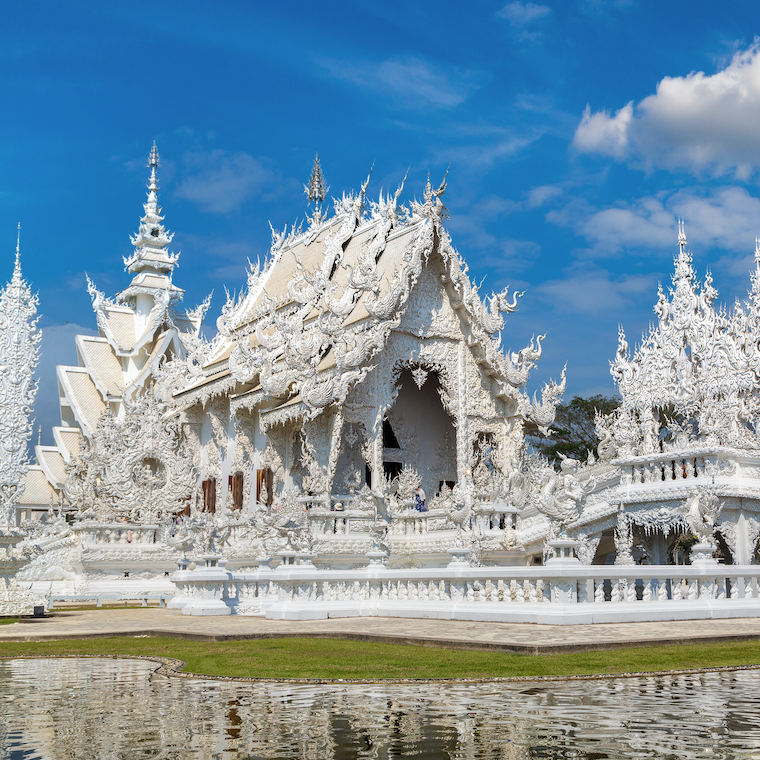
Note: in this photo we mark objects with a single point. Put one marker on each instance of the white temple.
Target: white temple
(353, 441)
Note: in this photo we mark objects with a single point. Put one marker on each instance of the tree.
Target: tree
(574, 431)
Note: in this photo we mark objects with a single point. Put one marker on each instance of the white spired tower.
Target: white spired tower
(19, 354)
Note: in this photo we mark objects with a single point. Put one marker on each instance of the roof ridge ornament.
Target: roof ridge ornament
(757, 250)
(316, 191)
(681, 234)
(17, 267)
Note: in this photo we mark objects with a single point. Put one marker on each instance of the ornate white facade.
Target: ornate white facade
(356, 407)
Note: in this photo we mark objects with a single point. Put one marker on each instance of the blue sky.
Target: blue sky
(576, 134)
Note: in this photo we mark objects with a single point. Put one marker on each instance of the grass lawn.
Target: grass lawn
(8, 620)
(338, 659)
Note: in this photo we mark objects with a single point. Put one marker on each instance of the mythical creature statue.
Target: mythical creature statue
(604, 429)
(561, 495)
(701, 511)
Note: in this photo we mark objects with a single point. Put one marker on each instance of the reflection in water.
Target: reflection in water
(116, 709)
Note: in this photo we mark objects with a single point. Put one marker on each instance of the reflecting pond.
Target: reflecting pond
(82, 708)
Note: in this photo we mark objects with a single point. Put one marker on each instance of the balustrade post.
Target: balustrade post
(598, 590)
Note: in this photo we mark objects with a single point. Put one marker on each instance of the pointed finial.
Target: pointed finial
(18, 245)
(316, 190)
(757, 250)
(153, 163)
(681, 234)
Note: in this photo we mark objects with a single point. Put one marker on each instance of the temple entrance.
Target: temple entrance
(419, 433)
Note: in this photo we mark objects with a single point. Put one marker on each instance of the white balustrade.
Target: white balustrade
(116, 534)
(567, 594)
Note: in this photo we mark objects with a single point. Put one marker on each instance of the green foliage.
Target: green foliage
(573, 431)
(333, 658)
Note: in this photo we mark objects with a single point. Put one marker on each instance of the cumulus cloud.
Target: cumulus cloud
(604, 134)
(410, 82)
(727, 217)
(701, 123)
(220, 181)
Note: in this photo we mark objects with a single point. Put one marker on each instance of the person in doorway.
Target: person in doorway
(419, 500)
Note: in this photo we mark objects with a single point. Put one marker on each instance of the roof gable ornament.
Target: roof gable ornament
(316, 191)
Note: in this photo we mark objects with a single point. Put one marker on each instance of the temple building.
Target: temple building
(358, 379)
(356, 403)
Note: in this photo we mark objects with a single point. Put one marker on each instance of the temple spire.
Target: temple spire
(18, 247)
(757, 250)
(316, 190)
(151, 262)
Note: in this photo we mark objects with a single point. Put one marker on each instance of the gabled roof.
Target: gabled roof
(67, 441)
(37, 490)
(311, 321)
(52, 464)
(102, 364)
(83, 396)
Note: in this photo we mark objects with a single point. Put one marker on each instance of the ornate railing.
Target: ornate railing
(561, 594)
(679, 466)
(116, 533)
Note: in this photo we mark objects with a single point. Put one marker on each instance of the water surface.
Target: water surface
(83, 708)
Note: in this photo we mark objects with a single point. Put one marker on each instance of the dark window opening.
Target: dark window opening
(367, 474)
(265, 486)
(209, 495)
(155, 232)
(392, 469)
(389, 437)
(236, 490)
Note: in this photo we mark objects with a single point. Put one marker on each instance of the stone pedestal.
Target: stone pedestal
(459, 556)
(377, 559)
(564, 549)
(206, 584)
(179, 579)
(301, 560)
(702, 555)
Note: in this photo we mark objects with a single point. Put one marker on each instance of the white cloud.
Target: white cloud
(522, 16)
(701, 123)
(410, 81)
(596, 291)
(220, 181)
(604, 134)
(727, 217)
(483, 154)
(541, 195)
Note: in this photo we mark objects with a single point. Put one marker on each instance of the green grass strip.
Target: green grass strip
(344, 659)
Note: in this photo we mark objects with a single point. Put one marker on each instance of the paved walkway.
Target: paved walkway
(514, 637)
